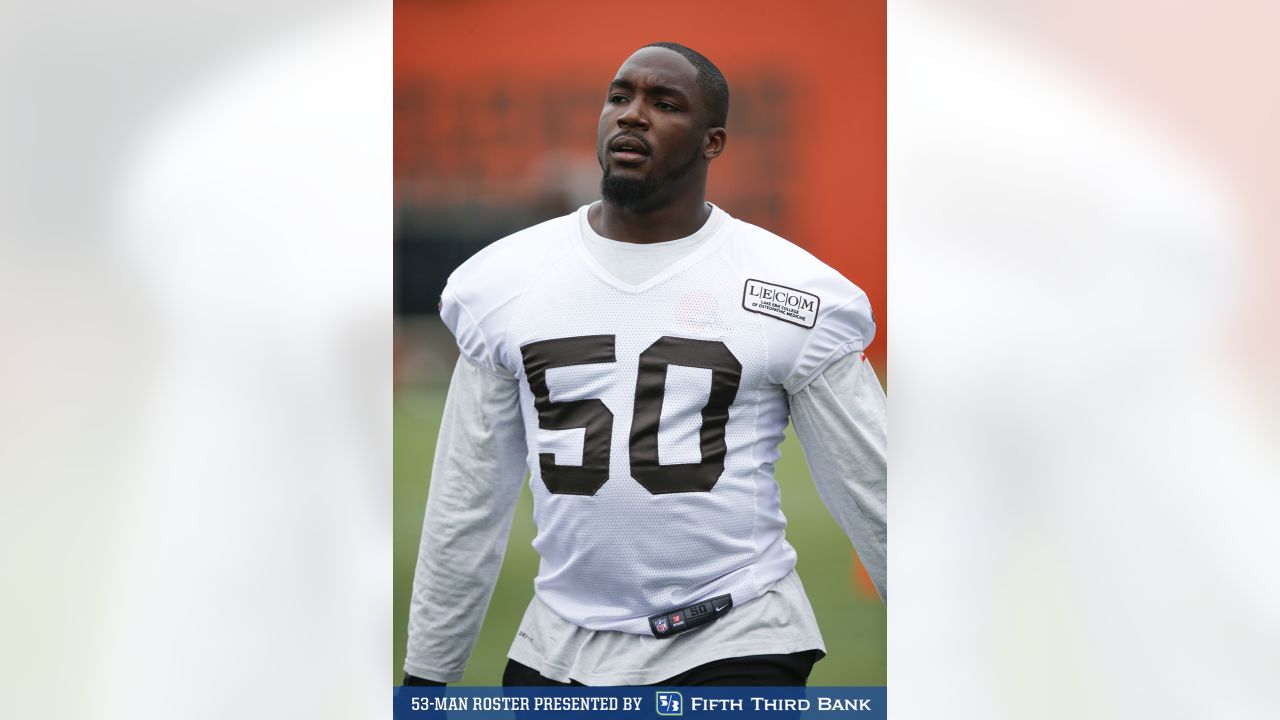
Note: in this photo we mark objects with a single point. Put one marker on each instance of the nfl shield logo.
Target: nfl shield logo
(661, 625)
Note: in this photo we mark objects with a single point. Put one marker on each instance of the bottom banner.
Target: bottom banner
(693, 703)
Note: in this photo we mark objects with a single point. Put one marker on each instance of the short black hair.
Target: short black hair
(715, 91)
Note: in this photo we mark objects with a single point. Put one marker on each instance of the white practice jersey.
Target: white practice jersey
(653, 412)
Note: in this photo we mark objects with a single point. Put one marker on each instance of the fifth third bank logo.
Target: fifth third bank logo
(670, 703)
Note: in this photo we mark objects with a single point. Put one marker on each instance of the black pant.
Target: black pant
(751, 670)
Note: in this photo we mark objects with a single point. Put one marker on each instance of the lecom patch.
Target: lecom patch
(781, 302)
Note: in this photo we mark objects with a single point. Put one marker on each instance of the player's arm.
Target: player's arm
(475, 482)
(840, 419)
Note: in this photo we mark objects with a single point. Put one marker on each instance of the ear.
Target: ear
(713, 143)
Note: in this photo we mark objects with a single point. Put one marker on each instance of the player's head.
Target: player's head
(662, 124)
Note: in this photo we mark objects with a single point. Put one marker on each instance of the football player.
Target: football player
(641, 358)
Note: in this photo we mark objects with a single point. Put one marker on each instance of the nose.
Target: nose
(633, 116)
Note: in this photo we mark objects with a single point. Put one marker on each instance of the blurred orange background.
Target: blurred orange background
(496, 107)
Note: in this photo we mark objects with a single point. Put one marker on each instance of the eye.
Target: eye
(615, 98)
(668, 107)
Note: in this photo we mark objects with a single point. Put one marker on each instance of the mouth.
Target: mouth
(629, 149)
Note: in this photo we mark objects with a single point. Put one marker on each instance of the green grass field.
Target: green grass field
(852, 623)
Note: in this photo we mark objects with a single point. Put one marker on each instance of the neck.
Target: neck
(672, 221)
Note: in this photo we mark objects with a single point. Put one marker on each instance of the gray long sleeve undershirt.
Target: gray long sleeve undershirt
(841, 422)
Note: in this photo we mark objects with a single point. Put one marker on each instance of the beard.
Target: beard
(642, 194)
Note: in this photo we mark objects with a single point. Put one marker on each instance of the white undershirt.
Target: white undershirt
(635, 263)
